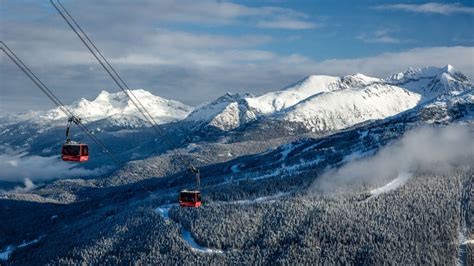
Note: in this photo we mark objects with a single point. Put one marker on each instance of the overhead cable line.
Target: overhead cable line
(27, 71)
(118, 80)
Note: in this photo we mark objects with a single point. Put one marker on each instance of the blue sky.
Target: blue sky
(195, 51)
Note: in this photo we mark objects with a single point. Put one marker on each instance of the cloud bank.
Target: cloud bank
(437, 150)
(20, 167)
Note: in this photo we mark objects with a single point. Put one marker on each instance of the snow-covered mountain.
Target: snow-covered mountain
(431, 82)
(325, 103)
(117, 109)
(226, 112)
(344, 108)
(316, 103)
(276, 101)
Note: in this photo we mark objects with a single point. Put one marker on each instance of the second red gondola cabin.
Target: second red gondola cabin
(190, 198)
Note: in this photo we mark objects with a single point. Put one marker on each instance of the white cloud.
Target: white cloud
(209, 12)
(436, 150)
(17, 166)
(189, 40)
(434, 8)
(286, 24)
(28, 185)
(379, 36)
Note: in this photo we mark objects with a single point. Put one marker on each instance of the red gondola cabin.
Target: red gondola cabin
(75, 152)
(189, 198)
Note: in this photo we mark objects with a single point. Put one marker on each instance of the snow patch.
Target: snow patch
(164, 210)
(195, 246)
(394, 184)
(286, 150)
(235, 168)
(5, 254)
(261, 199)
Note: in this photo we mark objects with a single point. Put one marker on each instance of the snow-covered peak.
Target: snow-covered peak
(432, 82)
(424, 72)
(208, 111)
(278, 100)
(117, 106)
(232, 110)
(226, 112)
(343, 108)
(330, 103)
(449, 68)
(358, 79)
(312, 84)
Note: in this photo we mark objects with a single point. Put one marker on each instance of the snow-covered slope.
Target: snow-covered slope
(230, 111)
(226, 112)
(344, 108)
(321, 103)
(276, 101)
(431, 82)
(119, 110)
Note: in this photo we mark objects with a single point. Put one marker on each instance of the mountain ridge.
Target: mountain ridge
(116, 107)
(403, 91)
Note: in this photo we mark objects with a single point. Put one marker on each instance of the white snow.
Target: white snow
(323, 103)
(226, 112)
(164, 212)
(195, 246)
(414, 73)
(119, 109)
(318, 102)
(364, 134)
(341, 109)
(276, 101)
(232, 110)
(235, 168)
(5, 254)
(287, 148)
(392, 185)
(260, 199)
(431, 82)
(468, 242)
(208, 112)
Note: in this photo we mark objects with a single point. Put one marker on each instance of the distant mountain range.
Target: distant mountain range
(317, 104)
(325, 103)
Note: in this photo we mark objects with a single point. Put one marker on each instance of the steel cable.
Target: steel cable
(117, 79)
(32, 76)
